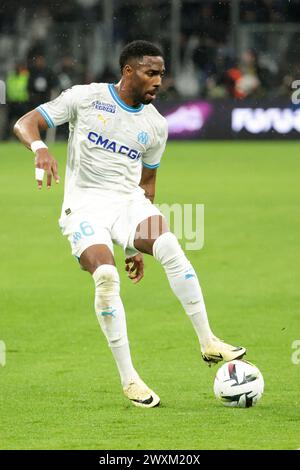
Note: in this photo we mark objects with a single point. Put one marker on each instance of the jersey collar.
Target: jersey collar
(121, 103)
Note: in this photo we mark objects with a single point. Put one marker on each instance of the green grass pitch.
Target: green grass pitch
(60, 388)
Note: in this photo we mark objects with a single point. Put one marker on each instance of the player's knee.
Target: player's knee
(168, 252)
(107, 283)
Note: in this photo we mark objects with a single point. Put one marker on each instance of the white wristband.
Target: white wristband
(38, 144)
(39, 174)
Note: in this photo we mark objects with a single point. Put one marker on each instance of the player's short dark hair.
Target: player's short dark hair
(137, 50)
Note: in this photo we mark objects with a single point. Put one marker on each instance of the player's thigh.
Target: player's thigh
(94, 256)
(148, 231)
(135, 224)
(90, 240)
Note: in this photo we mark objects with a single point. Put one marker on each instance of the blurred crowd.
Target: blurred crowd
(48, 47)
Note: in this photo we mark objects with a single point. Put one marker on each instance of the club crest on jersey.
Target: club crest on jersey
(143, 138)
(101, 106)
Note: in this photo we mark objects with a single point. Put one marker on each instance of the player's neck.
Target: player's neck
(124, 94)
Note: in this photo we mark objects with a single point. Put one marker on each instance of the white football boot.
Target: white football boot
(141, 395)
(216, 350)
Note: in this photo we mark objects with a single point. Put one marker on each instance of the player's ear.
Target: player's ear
(127, 70)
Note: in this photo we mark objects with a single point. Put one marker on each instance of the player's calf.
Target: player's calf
(184, 282)
(185, 285)
(108, 305)
(111, 316)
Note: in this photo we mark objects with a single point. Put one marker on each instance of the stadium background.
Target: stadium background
(230, 72)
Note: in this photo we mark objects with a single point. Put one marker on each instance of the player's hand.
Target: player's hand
(45, 161)
(135, 267)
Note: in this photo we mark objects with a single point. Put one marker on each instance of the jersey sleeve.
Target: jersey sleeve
(151, 158)
(62, 109)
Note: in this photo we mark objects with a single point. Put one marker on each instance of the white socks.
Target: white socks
(111, 316)
(110, 311)
(184, 283)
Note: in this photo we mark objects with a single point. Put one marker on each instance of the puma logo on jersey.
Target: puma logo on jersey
(102, 119)
(113, 146)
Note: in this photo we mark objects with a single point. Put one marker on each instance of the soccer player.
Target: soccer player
(116, 141)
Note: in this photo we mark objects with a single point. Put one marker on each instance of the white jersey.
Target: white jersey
(109, 141)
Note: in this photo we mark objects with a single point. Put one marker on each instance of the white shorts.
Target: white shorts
(94, 219)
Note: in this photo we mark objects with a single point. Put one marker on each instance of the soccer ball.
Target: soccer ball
(238, 384)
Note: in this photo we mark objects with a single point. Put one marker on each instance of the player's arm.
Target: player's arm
(135, 264)
(147, 182)
(27, 129)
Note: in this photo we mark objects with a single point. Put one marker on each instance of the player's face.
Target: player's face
(146, 77)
